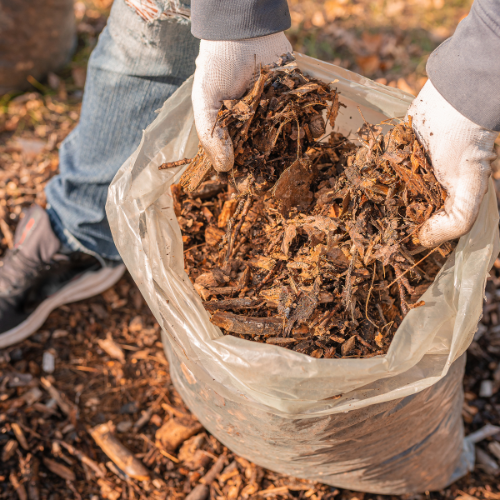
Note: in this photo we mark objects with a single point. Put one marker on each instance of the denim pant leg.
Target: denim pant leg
(134, 68)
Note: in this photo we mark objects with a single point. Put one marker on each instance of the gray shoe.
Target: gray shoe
(37, 276)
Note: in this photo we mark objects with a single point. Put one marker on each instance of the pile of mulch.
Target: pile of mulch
(87, 410)
(310, 242)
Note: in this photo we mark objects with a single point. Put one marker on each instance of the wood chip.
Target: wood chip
(175, 431)
(118, 453)
(109, 346)
(59, 469)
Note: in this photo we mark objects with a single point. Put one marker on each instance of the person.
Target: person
(146, 51)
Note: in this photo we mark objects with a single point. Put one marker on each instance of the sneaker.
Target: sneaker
(37, 276)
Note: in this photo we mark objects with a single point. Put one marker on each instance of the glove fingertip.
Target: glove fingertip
(223, 159)
(427, 239)
(223, 164)
(437, 230)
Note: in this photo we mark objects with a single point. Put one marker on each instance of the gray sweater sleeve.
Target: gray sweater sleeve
(238, 19)
(465, 69)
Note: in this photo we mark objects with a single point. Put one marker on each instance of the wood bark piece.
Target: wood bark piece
(109, 346)
(247, 325)
(118, 453)
(33, 479)
(173, 164)
(18, 432)
(196, 172)
(176, 430)
(214, 471)
(66, 406)
(223, 305)
(59, 469)
(293, 187)
(202, 490)
(9, 449)
(18, 487)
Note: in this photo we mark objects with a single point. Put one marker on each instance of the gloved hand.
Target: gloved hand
(461, 153)
(224, 70)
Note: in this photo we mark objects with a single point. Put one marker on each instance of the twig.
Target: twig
(118, 453)
(331, 110)
(193, 247)
(268, 276)
(216, 120)
(402, 296)
(404, 280)
(298, 138)
(348, 287)
(69, 408)
(410, 268)
(173, 164)
(368, 298)
(238, 246)
(144, 419)
(202, 490)
(232, 237)
(381, 313)
(82, 457)
(170, 457)
(232, 220)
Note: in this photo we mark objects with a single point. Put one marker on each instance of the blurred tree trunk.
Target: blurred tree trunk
(36, 36)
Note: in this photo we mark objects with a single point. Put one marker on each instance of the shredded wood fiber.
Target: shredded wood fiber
(310, 242)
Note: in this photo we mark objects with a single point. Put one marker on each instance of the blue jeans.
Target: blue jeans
(134, 68)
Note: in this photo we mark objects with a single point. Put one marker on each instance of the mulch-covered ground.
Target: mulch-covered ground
(95, 375)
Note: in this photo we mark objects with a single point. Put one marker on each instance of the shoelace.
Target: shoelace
(17, 270)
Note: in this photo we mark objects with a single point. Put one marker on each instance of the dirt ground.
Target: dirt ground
(100, 362)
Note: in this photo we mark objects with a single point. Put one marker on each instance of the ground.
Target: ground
(109, 364)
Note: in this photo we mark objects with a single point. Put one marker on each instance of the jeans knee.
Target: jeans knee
(132, 46)
(152, 10)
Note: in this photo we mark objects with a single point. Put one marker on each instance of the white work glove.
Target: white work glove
(224, 70)
(461, 153)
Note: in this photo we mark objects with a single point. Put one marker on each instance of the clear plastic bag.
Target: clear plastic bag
(389, 424)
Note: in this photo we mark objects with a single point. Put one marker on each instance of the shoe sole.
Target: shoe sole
(88, 285)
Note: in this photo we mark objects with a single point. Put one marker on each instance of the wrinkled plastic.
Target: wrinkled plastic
(388, 424)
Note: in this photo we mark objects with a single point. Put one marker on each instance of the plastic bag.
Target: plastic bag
(389, 424)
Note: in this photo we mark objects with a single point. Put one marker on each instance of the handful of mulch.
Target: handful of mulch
(310, 242)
